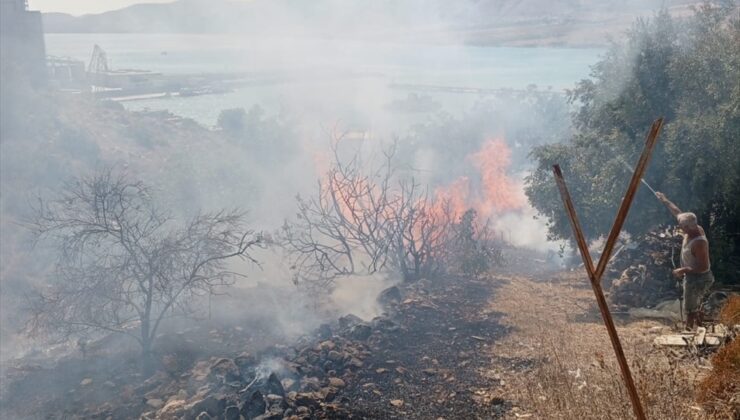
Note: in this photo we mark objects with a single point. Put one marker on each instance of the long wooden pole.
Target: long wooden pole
(640, 168)
(594, 274)
(600, 300)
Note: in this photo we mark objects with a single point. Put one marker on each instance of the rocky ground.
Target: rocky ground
(503, 346)
(425, 358)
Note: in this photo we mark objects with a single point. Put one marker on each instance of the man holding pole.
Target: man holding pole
(695, 268)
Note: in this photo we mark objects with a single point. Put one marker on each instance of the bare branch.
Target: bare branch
(124, 263)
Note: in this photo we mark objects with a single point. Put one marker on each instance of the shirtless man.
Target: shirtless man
(695, 269)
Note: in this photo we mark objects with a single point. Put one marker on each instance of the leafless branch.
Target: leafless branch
(124, 264)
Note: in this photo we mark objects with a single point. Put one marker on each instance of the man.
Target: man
(695, 268)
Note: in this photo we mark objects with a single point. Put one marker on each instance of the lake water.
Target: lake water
(326, 77)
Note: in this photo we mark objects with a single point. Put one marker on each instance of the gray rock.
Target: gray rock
(324, 332)
(226, 369)
(350, 320)
(335, 356)
(276, 402)
(232, 413)
(355, 363)
(310, 384)
(270, 416)
(389, 296)
(360, 332)
(212, 405)
(245, 359)
(306, 399)
(274, 386)
(253, 406)
(155, 403)
(302, 410)
(336, 383)
(384, 324)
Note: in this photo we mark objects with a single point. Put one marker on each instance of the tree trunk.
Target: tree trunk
(147, 358)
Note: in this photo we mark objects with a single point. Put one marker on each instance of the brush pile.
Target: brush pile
(639, 274)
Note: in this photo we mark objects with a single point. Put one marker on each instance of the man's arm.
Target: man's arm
(675, 211)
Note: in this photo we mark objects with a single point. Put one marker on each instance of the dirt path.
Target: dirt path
(567, 367)
(436, 367)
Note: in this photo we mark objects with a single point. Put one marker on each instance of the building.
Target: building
(22, 49)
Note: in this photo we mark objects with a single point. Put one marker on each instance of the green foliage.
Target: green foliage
(474, 252)
(269, 137)
(232, 121)
(687, 70)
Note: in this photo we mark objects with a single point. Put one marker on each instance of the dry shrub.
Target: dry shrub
(576, 375)
(730, 313)
(593, 389)
(719, 392)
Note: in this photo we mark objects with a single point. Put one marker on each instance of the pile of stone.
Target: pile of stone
(639, 274)
(296, 382)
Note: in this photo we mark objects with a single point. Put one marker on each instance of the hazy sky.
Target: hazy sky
(80, 7)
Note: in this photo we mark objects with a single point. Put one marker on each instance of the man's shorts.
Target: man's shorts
(695, 286)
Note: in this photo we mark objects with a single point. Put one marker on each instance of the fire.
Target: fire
(362, 201)
(500, 192)
(455, 197)
(496, 193)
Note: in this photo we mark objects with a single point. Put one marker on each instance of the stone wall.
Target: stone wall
(22, 48)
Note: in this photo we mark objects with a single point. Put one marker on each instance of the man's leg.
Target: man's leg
(691, 297)
(691, 320)
(707, 281)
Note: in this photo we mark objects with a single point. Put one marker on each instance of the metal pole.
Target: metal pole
(594, 275)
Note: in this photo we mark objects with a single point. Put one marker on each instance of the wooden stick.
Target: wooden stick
(647, 151)
(594, 275)
(600, 300)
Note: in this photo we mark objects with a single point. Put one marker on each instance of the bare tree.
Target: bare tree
(365, 221)
(124, 264)
(421, 232)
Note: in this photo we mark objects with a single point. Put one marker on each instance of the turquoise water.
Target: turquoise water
(327, 77)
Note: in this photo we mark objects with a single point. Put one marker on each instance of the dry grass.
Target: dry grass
(721, 388)
(575, 374)
(730, 313)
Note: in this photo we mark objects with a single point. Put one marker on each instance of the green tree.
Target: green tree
(687, 70)
(269, 137)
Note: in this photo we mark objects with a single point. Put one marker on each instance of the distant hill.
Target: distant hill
(514, 22)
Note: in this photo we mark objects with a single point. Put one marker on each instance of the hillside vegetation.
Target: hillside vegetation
(687, 71)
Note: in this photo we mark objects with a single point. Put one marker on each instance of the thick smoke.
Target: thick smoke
(340, 67)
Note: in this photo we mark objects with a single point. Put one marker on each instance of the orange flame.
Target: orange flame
(496, 192)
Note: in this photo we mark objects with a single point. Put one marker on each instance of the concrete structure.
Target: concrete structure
(66, 73)
(22, 49)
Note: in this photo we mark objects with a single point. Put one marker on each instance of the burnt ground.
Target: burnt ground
(437, 364)
(503, 346)
(48, 387)
(428, 357)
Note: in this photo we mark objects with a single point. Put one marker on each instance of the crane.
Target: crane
(98, 67)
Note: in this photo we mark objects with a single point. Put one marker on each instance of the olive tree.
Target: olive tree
(686, 70)
(125, 264)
